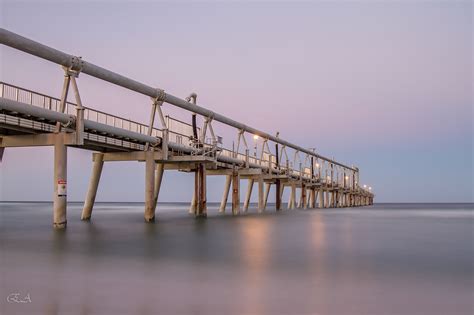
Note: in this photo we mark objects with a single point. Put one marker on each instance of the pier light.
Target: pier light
(370, 188)
(255, 138)
(317, 165)
(365, 186)
(347, 177)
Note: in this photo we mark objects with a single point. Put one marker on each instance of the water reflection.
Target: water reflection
(318, 236)
(255, 241)
(291, 262)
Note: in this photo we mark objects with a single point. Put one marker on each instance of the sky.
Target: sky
(385, 86)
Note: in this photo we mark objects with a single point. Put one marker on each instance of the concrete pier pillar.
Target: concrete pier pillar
(278, 191)
(332, 199)
(312, 198)
(225, 194)
(291, 200)
(60, 185)
(235, 193)
(316, 198)
(303, 196)
(298, 204)
(267, 192)
(97, 165)
(249, 194)
(200, 191)
(149, 187)
(193, 206)
(160, 167)
(321, 198)
(261, 195)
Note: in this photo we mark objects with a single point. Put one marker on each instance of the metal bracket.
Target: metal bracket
(76, 67)
(160, 96)
(76, 64)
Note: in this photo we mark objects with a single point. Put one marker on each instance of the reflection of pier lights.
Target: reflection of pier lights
(254, 251)
(318, 235)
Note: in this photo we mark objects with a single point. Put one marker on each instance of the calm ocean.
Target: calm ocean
(384, 259)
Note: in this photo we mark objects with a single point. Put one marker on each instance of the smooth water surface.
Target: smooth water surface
(384, 259)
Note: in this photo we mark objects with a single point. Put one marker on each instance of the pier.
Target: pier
(163, 143)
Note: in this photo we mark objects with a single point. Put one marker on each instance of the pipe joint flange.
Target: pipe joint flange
(70, 122)
(75, 68)
(76, 64)
(160, 96)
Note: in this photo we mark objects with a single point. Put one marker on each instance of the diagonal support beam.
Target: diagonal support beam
(249, 194)
(98, 163)
(225, 195)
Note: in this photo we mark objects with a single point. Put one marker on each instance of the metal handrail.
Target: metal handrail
(305, 172)
(208, 149)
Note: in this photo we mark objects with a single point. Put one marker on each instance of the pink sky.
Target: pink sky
(384, 86)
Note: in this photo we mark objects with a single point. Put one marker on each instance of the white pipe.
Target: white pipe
(34, 48)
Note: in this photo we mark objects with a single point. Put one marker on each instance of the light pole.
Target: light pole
(255, 138)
